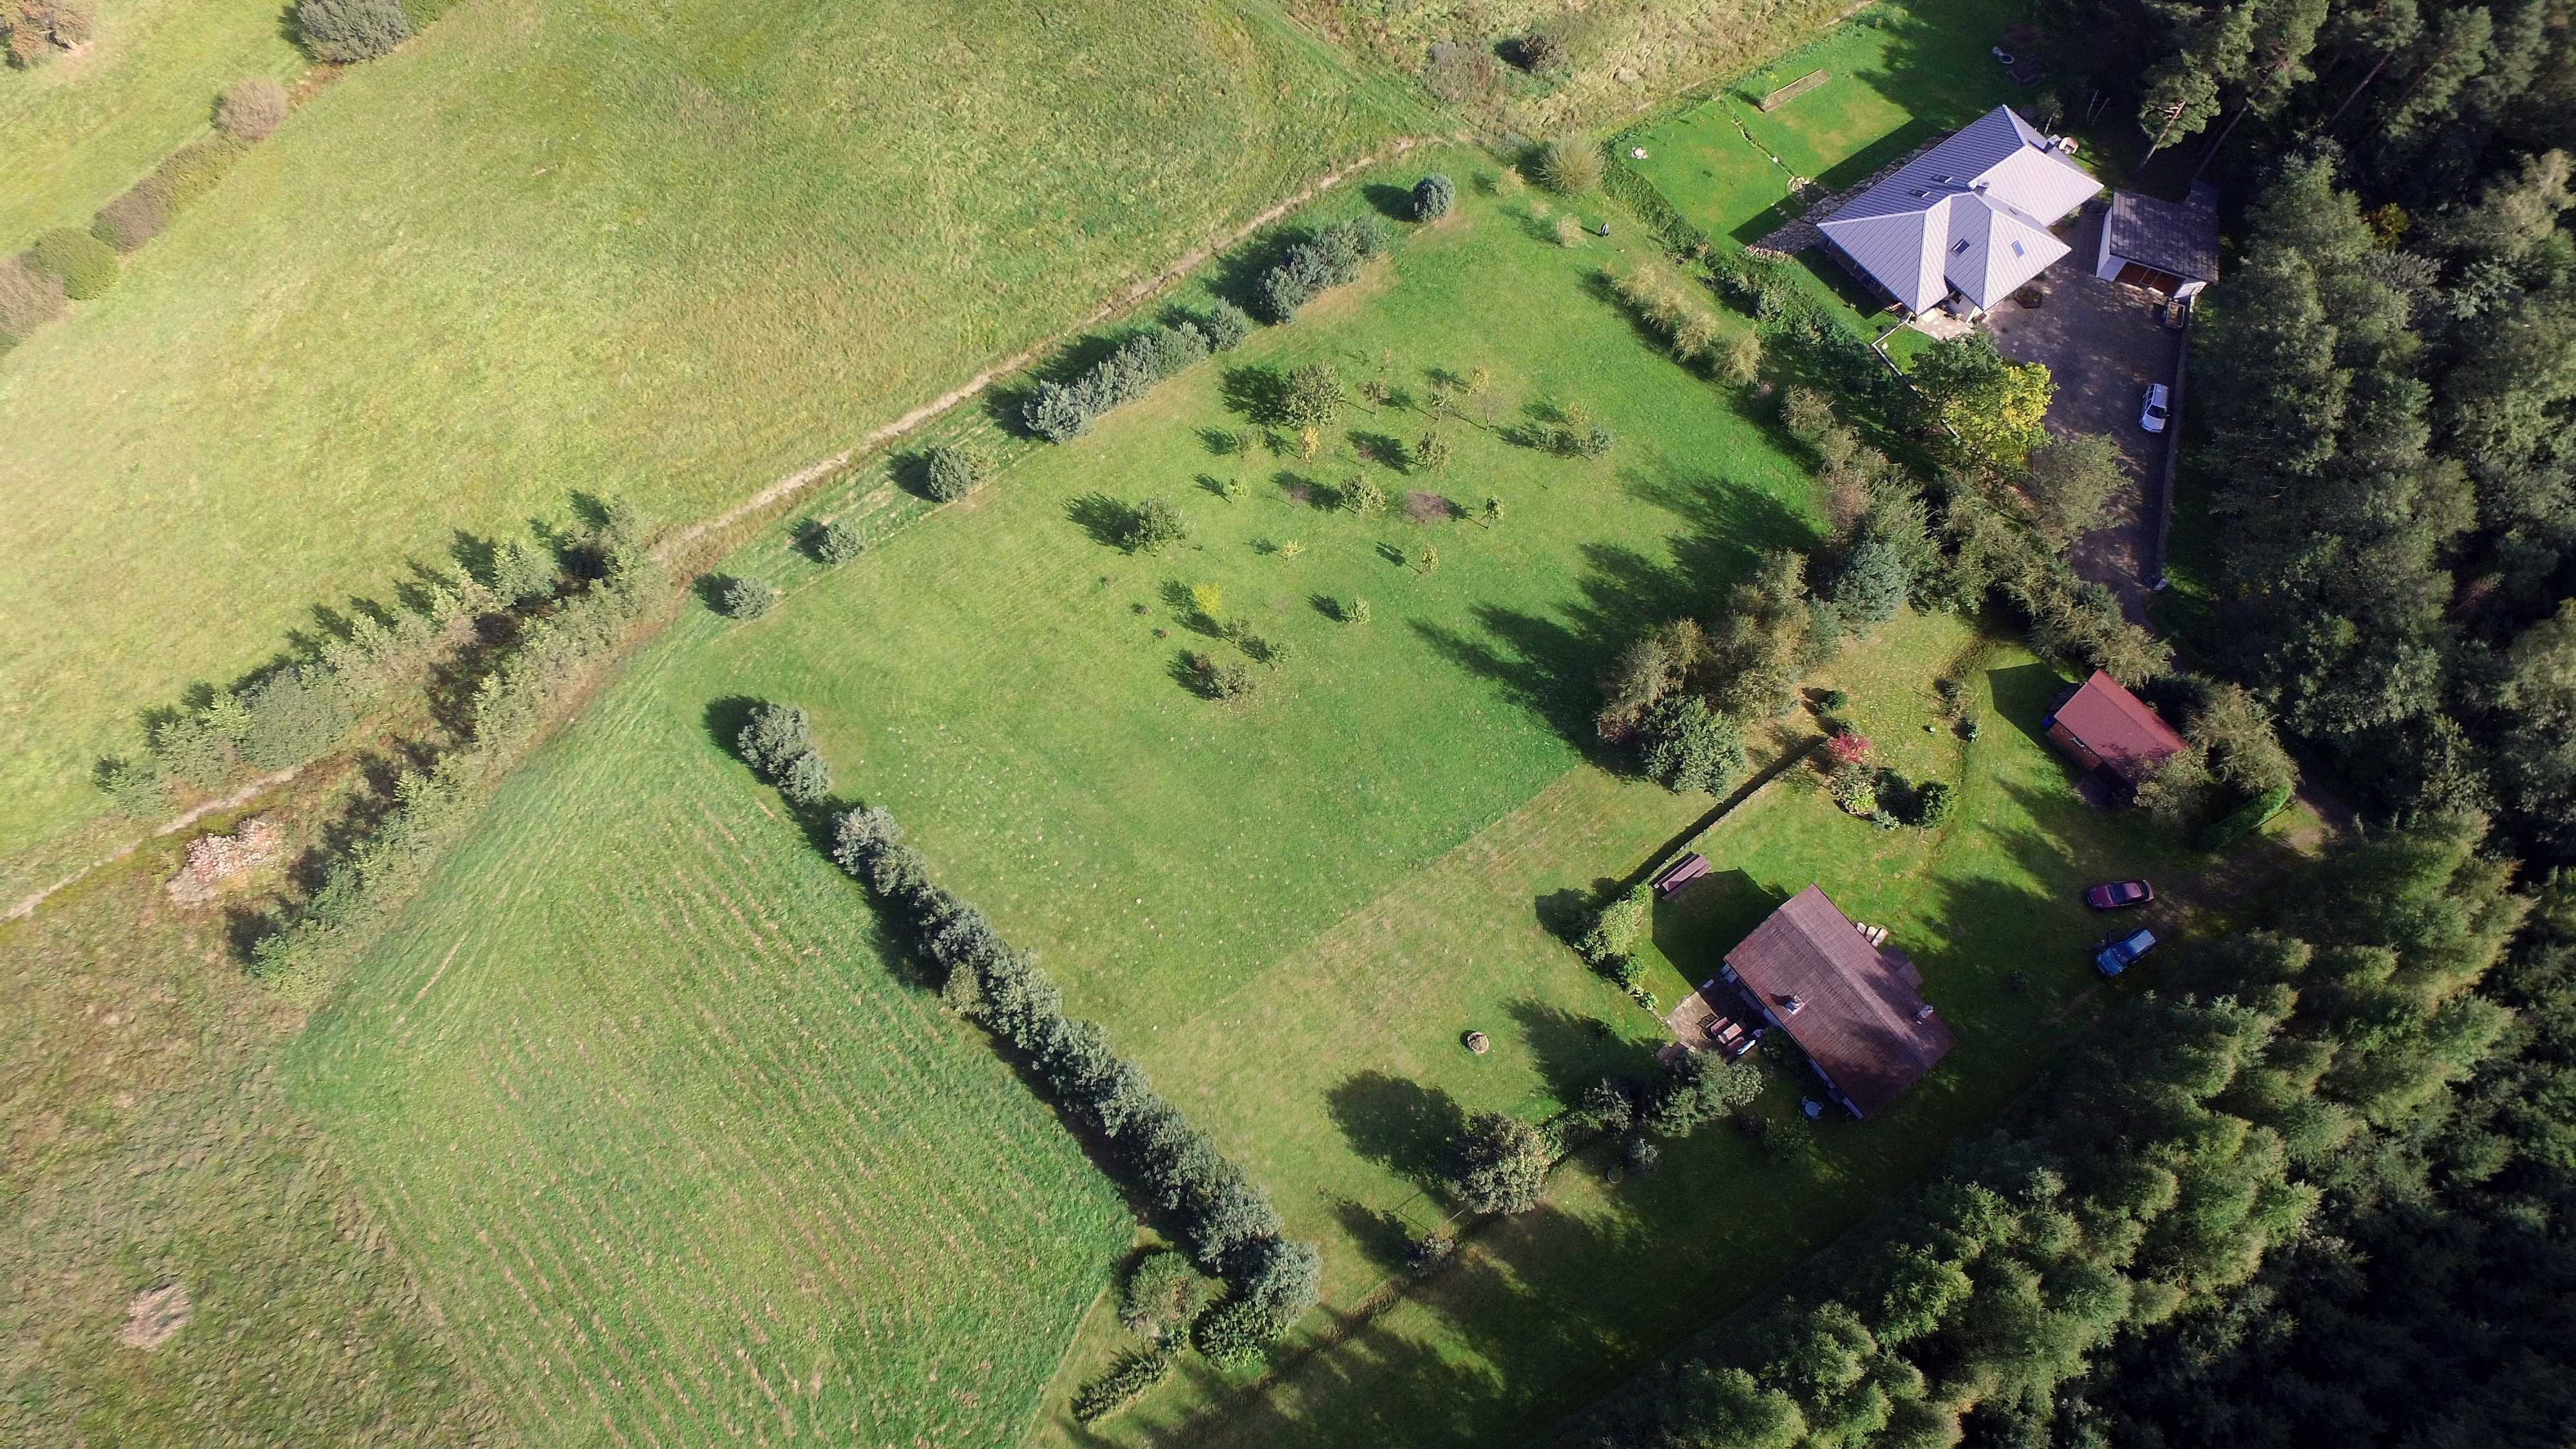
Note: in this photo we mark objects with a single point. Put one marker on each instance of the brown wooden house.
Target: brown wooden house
(2105, 727)
(1855, 1009)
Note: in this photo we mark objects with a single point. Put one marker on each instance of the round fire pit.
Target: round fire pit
(1477, 1043)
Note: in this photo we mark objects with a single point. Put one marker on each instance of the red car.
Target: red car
(2114, 895)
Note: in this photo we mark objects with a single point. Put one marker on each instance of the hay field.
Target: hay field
(669, 252)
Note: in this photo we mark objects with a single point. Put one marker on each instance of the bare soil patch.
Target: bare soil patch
(154, 1315)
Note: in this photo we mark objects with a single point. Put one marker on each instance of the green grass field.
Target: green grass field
(1900, 75)
(675, 1154)
(83, 127)
(1287, 909)
(1362, 1078)
(671, 256)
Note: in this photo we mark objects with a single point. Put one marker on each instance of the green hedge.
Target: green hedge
(2244, 820)
(86, 265)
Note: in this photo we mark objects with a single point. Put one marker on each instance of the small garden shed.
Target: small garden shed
(2105, 727)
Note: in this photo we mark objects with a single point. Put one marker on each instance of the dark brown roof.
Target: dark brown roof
(2182, 240)
(2131, 738)
(1856, 1019)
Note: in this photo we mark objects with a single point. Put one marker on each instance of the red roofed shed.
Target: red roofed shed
(1856, 1010)
(2105, 727)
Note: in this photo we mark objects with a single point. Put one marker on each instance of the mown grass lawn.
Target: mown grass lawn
(1900, 74)
(670, 254)
(84, 126)
(674, 1152)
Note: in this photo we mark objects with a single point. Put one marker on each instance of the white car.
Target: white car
(2159, 403)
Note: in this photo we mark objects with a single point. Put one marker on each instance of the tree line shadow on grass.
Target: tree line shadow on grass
(1550, 665)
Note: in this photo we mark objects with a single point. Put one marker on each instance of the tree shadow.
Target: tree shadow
(1573, 1051)
(1109, 521)
(1384, 1237)
(1330, 607)
(1257, 392)
(1398, 1124)
(1383, 450)
(1393, 202)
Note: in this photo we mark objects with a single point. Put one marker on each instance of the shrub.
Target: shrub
(1616, 927)
(1739, 358)
(30, 297)
(1569, 165)
(252, 110)
(135, 785)
(195, 749)
(1208, 600)
(351, 30)
(1569, 232)
(1058, 411)
(522, 575)
(1933, 804)
(1234, 1333)
(806, 780)
(1131, 1376)
(1854, 787)
(836, 542)
(951, 472)
(1697, 1090)
(1218, 679)
(135, 217)
(191, 171)
(1284, 1279)
(1432, 454)
(1834, 699)
(1313, 396)
(1162, 1292)
(1152, 526)
(1500, 1164)
(1429, 1254)
(2244, 819)
(1433, 195)
(775, 736)
(1688, 746)
(747, 598)
(1806, 414)
(1640, 1156)
(1362, 496)
(1541, 52)
(293, 715)
(1608, 1107)
(1871, 584)
(86, 265)
(1225, 326)
(1330, 258)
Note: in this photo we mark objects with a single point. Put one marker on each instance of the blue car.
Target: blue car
(2116, 954)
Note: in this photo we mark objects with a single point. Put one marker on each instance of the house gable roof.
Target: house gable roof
(1972, 212)
(2128, 735)
(1857, 1006)
(2182, 240)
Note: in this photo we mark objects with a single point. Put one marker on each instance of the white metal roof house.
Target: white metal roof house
(1966, 222)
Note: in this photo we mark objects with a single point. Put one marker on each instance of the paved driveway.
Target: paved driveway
(2103, 344)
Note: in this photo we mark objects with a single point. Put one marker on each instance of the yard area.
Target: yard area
(1336, 1075)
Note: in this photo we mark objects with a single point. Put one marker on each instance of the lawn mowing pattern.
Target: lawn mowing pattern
(675, 1153)
(83, 127)
(669, 255)
(1361, 1078)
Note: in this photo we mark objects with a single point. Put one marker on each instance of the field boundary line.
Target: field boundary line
(814, 472)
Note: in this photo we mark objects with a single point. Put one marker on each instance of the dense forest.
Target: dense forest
(2388, 373)
(2321, 1186)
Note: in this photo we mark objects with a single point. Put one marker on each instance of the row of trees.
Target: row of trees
(1228, 1223)
(537, 659)
(2146, 1182)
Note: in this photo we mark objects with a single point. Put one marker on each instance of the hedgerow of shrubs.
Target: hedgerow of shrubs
(86, 265)
(1330, 258)
(344, 31)
(1059, 411)
(1228, 1224)
(1130, 1376)
(135, 217)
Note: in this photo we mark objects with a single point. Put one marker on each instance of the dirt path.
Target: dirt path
(812, 473)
